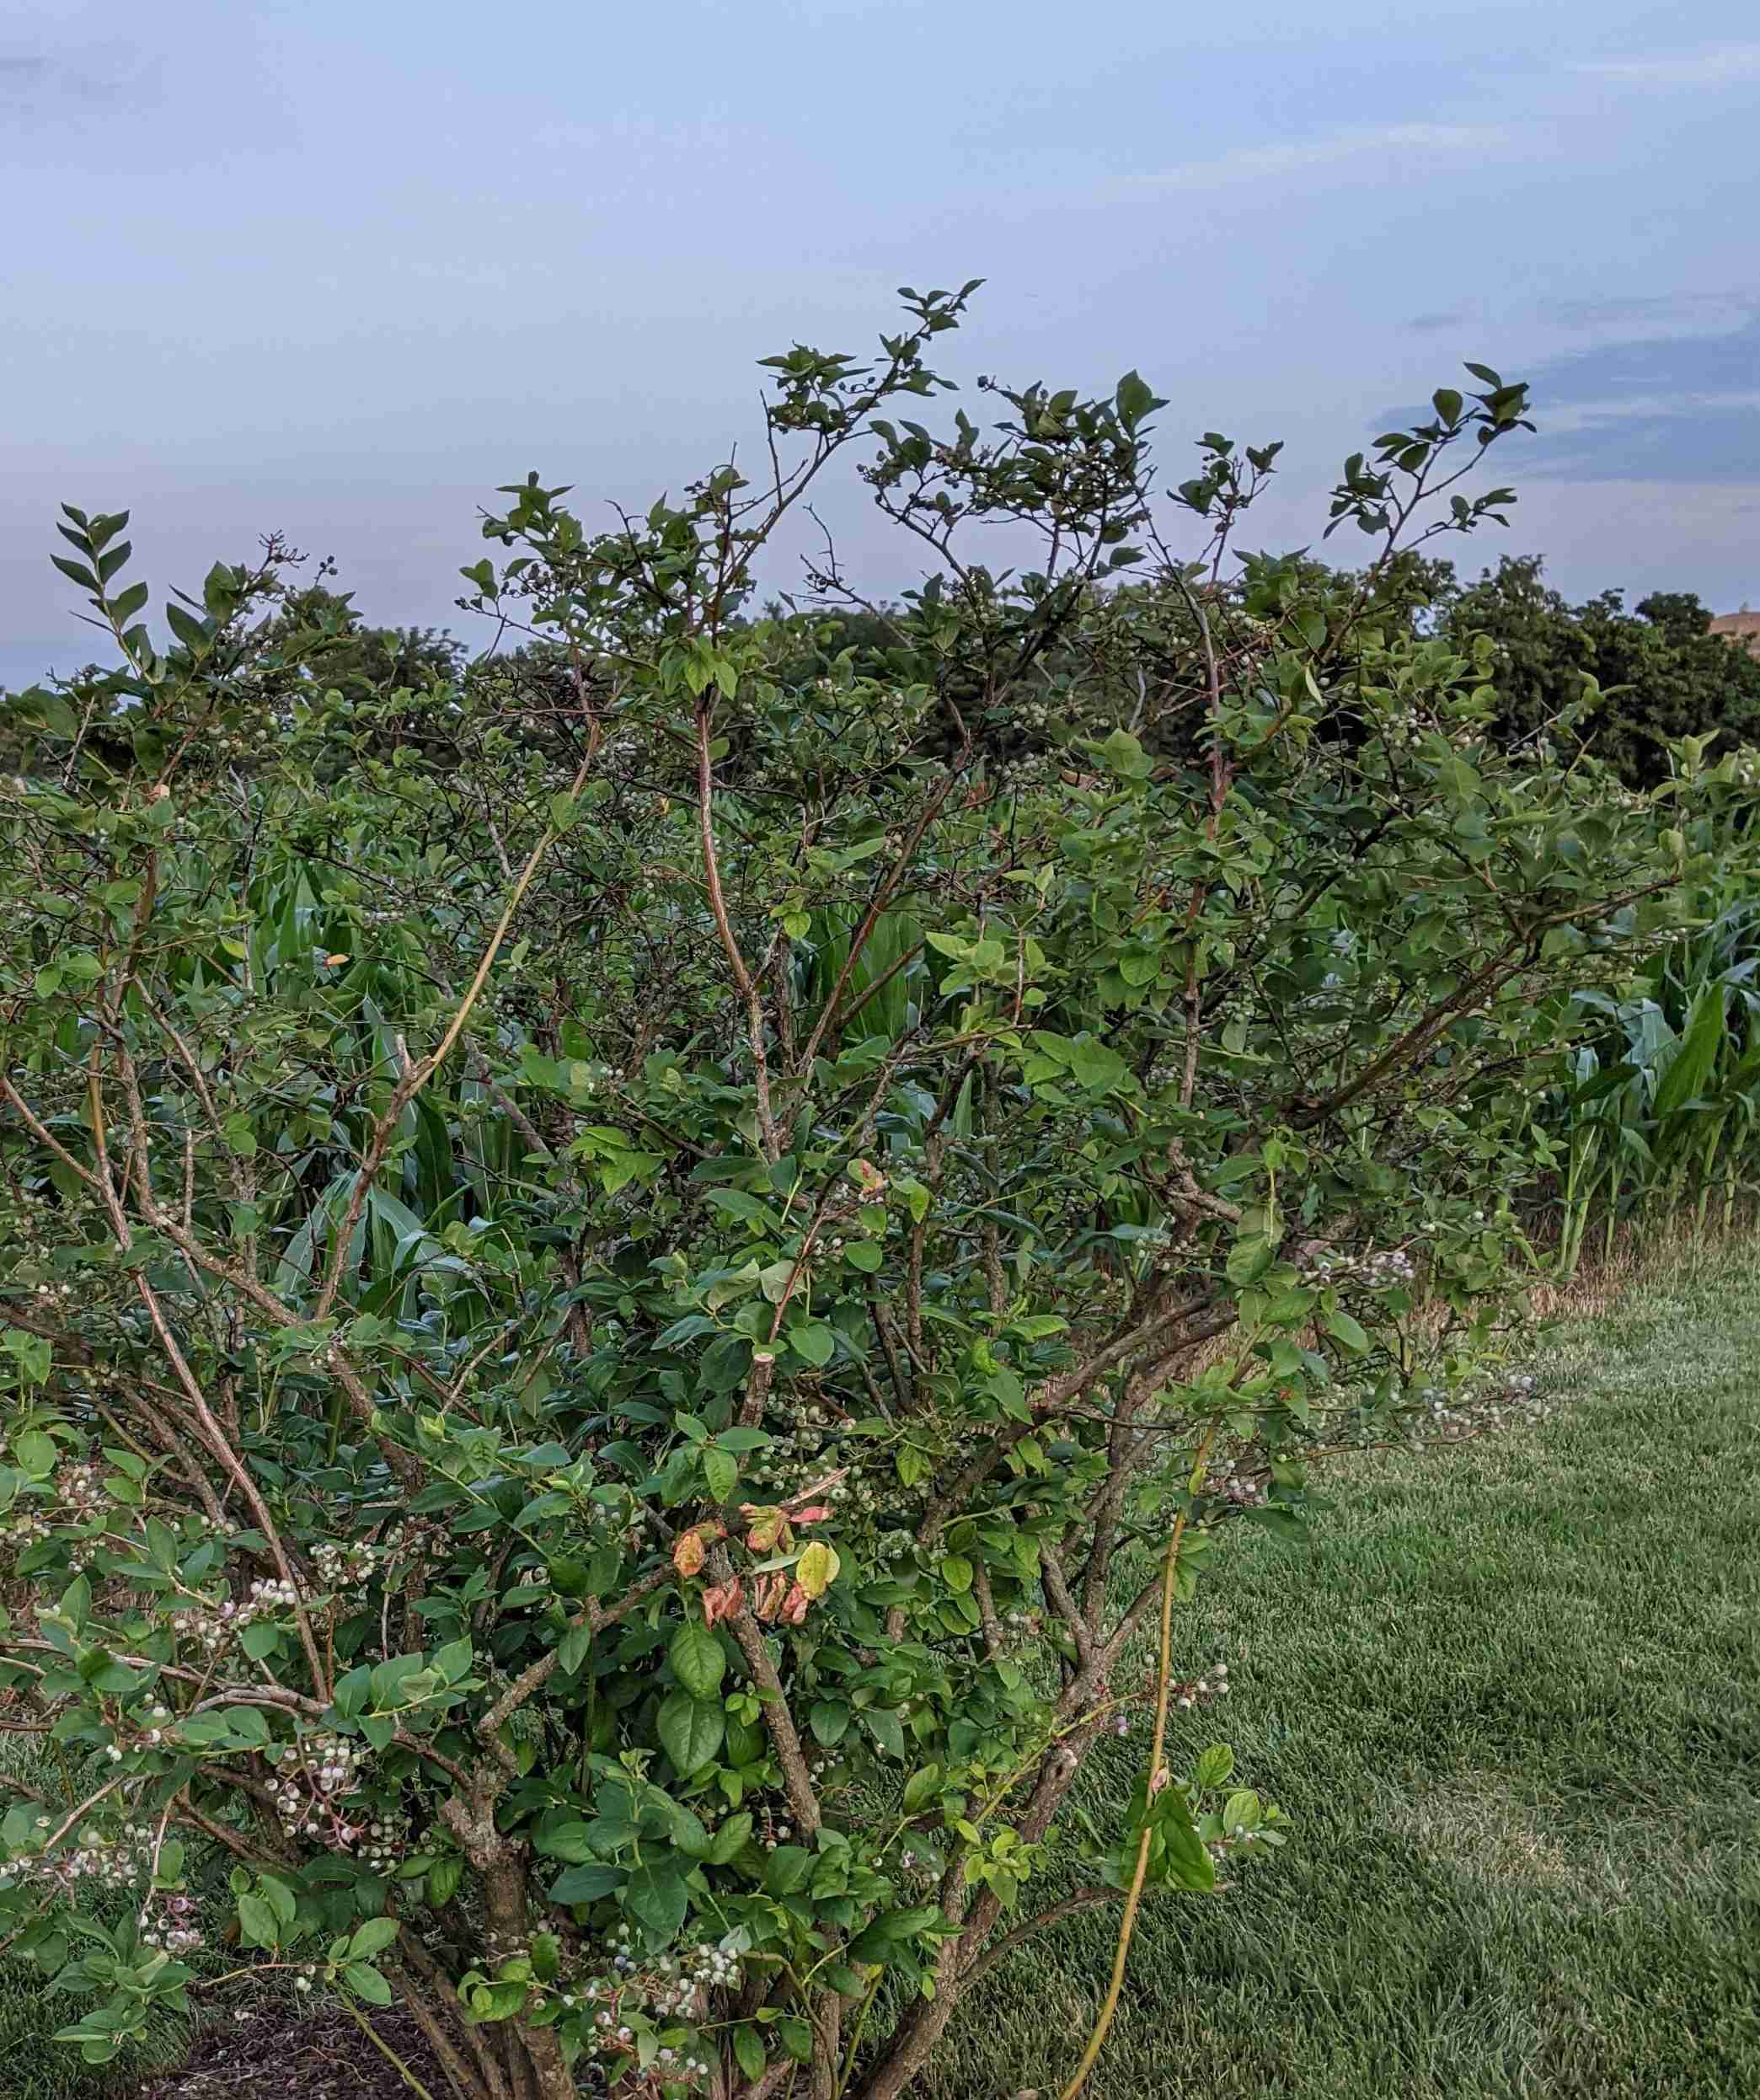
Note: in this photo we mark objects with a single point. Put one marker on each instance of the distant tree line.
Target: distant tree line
(1599, 675)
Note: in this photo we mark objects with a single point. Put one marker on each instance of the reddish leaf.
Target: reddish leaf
(722, 1601)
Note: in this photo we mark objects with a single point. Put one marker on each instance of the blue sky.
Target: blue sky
(340, 269)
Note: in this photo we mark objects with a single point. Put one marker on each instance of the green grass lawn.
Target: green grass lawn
(1512, 1698)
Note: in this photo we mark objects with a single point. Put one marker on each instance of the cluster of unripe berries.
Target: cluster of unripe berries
(1228, 1481)
(1379, 1268)
(172, 1928)
(310, 1779)
(149, 1732)
(1479, 1406)
(23, 1525)
(802, 1440)
(1203, 1691)
(672, 1986)
(343, 1567)
(80, 1488)
(80, 1495)
(215, 1624)
(115, 1859)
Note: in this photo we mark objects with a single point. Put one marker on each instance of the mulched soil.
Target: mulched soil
(285, 2053)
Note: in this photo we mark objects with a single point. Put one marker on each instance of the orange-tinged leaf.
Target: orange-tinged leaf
(769, 1526)
(722, 1601)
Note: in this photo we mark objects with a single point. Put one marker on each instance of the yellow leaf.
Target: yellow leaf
(817, 1569)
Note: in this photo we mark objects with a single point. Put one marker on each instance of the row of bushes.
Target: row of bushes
(609, 1264)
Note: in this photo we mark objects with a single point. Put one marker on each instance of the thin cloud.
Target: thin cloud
(1293, 156)
(1435, 324)
(1711, 442)
(1676, 409)
(1674, 310)
(1680, 69)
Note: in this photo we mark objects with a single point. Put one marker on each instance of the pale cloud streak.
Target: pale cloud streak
(1335, 149)
(1713, 68)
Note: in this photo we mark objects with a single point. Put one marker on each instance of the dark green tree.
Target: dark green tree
(1626, 680)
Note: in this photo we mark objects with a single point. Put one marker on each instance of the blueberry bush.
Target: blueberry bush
(632, 1283)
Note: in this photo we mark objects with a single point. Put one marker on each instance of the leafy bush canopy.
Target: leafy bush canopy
(628, 1277)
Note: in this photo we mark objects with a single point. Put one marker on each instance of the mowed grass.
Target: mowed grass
(1512, 1698)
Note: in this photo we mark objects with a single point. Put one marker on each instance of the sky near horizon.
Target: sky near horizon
(341, 270)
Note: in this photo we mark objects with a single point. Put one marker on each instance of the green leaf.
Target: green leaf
(921, 1786)
(787, 1869)
(372, 1938)
(690, 1731)
(1187, 1858)
(813, 1342)
(497, 2000)
(829, 1720)
(78, 572)
(586, 1882)
(258, 1926)
(366, 1983)
(571, 1840)
(1249, 1258)
(698, 1660)
(748, 2048)
(1345, 1329)
(1214, 1766)
(886, 1729)
(892, 1935)
(1096, 1066)
(1693, 1062)
(720, 1471)
(1135, 399)
(657, 1899)
(730, 1840)
(36, 1452)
